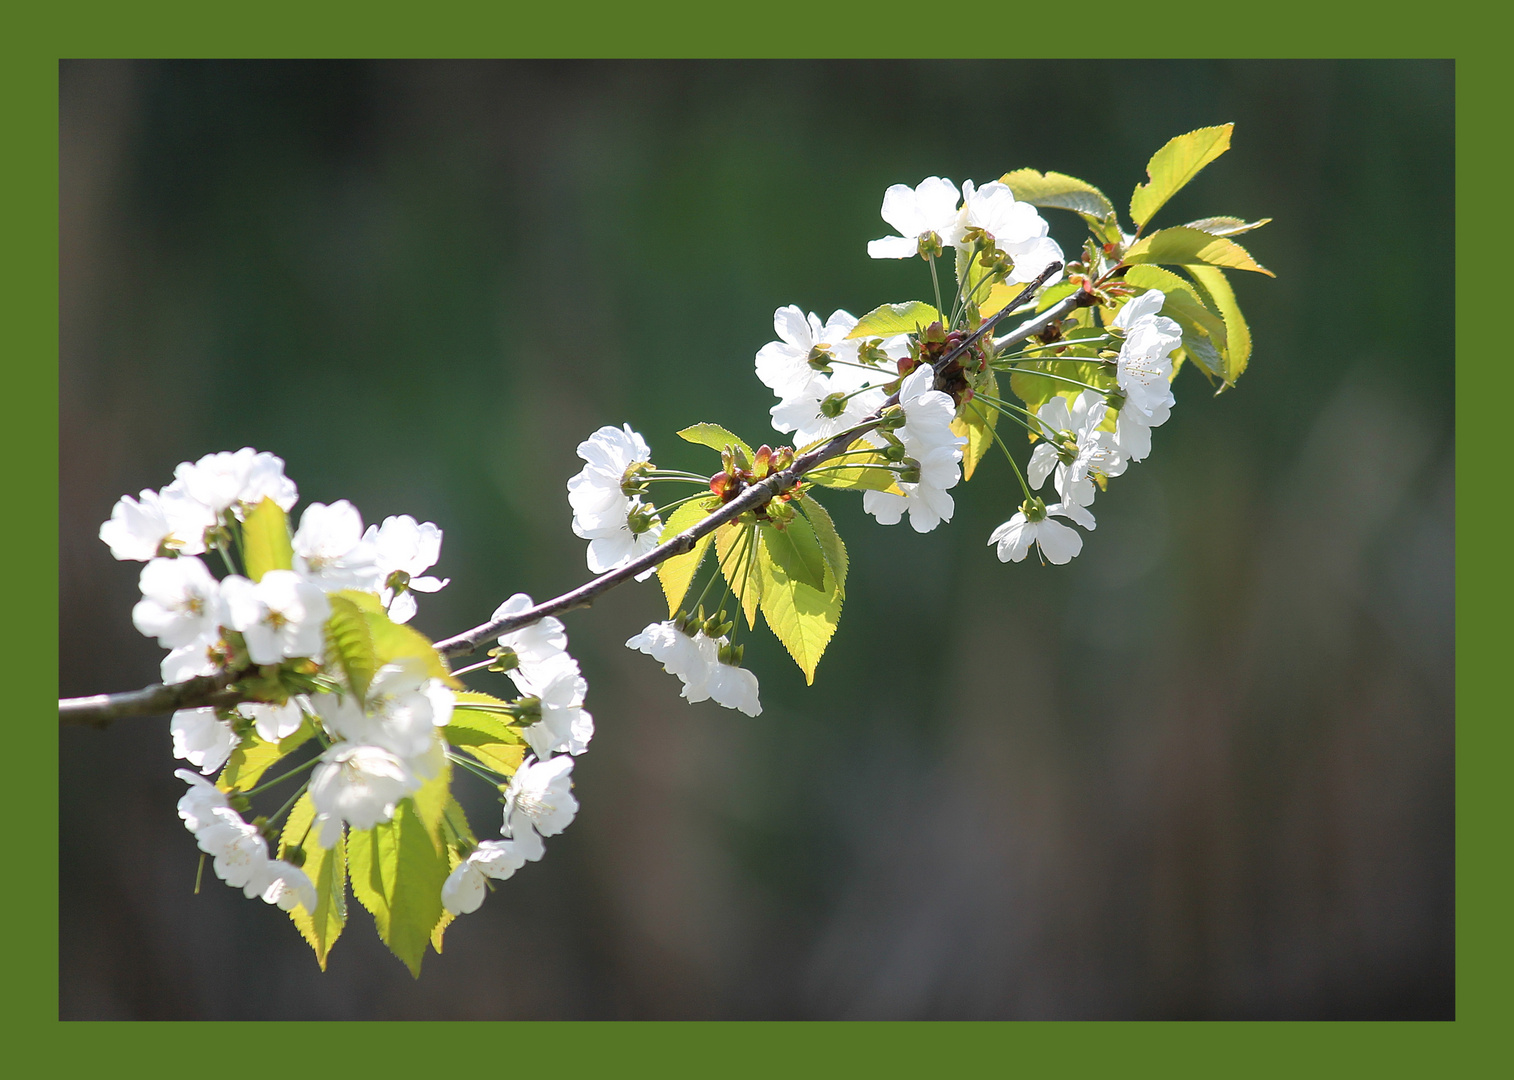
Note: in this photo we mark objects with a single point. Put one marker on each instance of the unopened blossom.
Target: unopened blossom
(930, 443)
(926, 216)
(287, 887)
(1073, 449)
(404, 550)
(539, 802)
(1015, 228)
(734, 687)
(179, 601)
(464, 888)
(360, 785)
(239, 850)
(1144, 367)
(279, 616)
(330, 548)
(202, 738)
(157, 523)
(273, 722)
(196, 805)
(1033, 524)
(237, 481)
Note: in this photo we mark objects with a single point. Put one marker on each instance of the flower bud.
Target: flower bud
(732, 654)
(894, 451)
(831, 405)
(820, 358)
(505, 659)
(294, 856)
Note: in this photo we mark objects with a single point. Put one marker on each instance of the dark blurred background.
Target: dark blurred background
(1205, 770)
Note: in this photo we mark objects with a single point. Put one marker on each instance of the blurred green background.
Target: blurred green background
(1205, 770)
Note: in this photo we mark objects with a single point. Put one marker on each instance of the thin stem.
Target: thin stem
(280, 779)
(1013, 464)
(854, 465)
(492, 781)
(281, 811)
(199, 870)
(1053, 375)
(715, 574)
(705, 494)
(999, 408)
(225, 558)
(934, 281)
(474, 667)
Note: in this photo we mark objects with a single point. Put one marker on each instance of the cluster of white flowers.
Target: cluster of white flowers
(607, 508)
(701, 662)
(539, 801)
(930, 218)
(239, 850)
(934, 451)
(1075, 448)
(381, 746)
(821, 382)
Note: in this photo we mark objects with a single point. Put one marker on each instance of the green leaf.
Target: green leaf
(801, 617)
(977, 424)
(715, 437)
(1060, 191)
(488, 736)
(1226, 226)
(457, 824)
(349, 640)
(859, 478)
(1171, 167)
(1183, 246)
(249, 761)
(733, 548)
(397, 874)
(1237, 351)
(1182, 301)
(395, 643)
(327, 870)
(795, 549)
(431, 802)
(836, 561)
(676, 574)
(891, 319)
(265, 540)
(1036, 389)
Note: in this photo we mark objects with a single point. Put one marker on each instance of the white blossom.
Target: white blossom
(281, 615)
(1144, 367)
(565, 726)
(1034, 524)
(202, 738)
(539, 802)
(1015, 227)
(1073, 449)
(536, 646)
(399, 712)
(359, 785)
(403, 551)
(615, 542)
(734, 687)
(196, 805)
(287, 886)
(929, 440)
(596, 491)
(331, 550)
(197, 658)
(179, 602)
(157, 523)
(239, 850)
(929, 207)
(463, 890)
(237, 481)
(690, 657)
(273, 722)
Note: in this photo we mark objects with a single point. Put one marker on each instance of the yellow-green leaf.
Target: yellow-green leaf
(397, 874)
(1237, 351)
(265, 540)
(488, 736)
(1182, 301)
(1226, 226)
(349, 640)
(1058, 190)
(735, 548)
(802, 618)
(836, 560)
(431, 802)
(890, 319)
(795, 549)
(456, 823)
(327, 870)
(859, 474)
(254, 757)
(1171, 167)
(395, 642)
(1037, 389)
(977, 424)
(676, 574)
(715, 437)
(1183, 246)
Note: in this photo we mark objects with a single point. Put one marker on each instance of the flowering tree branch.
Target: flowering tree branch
(99, 710)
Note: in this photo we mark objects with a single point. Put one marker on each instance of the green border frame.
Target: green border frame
(660, 28)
